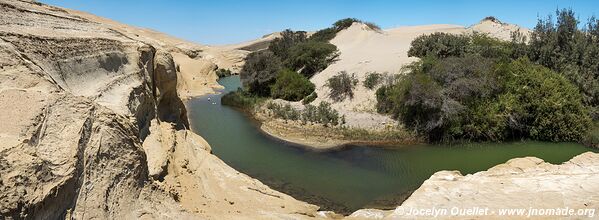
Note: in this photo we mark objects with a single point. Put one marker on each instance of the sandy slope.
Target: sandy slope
(364, 50)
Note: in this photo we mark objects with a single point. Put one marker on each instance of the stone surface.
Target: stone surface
(93, 125)
(520, 183)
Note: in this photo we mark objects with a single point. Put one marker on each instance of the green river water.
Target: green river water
(352, 177)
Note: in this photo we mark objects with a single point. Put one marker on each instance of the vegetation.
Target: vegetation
(321, 114)
(439, 45)
(342, 86)
(293, 51)
(479, 88)
(372, 80)
(309, 99)
(291, 86)
(311, 57)
(559, 45)
(241, 99)
(592, 137)
(475, 98)
(347, 22)
(260, 72)
(223, 73)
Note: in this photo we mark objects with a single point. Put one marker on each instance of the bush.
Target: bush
(223, 73)
(240, 99)
(473, 98)
(327, 115)
(310, 98)
(344, 23)
(324, 35)
(286, 111)
(311, 57)
(342, 86)
(439, 45)
(291, 86)
(591, 139)
(372, 26)
(321, 114)
(260, 72)
(542, 104)
(347, 22)
(372, 80)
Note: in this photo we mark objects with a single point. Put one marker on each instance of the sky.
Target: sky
(233, 21)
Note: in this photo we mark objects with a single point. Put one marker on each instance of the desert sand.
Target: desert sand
(94, 127)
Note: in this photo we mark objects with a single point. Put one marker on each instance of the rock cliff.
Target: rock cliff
(94, 126)
(522, 183)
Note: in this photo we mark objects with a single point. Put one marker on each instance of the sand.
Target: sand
(363, 50)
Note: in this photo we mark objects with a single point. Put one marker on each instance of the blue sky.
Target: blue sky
(233, 21)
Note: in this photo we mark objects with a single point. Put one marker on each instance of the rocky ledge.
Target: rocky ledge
(94, 126)
(523, 183)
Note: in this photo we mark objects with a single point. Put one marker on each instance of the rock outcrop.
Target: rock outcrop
(94, 126)
(523, 183)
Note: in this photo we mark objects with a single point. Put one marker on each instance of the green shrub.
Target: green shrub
(321, 114)
(240, 99)
(372, 80)
(342, 86)
(347, 22)
(286, 111)
(473, 98)
(291, 86)
(310, 98)
(372, 26)
(327, 115)
(542, 104)
(324, 35)
(439, 45)
(591, 139)
(344, 23)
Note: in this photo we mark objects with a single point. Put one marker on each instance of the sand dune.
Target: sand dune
(363, 50)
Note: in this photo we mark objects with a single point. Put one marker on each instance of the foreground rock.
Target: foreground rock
(521, 183)
(93, 125)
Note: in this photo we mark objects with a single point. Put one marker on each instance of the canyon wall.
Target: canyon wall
(93, 125)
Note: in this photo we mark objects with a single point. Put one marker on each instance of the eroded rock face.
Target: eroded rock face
(519, 183)
(85, 105)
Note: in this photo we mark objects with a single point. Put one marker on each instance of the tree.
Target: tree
(259, 72)
(311, 57)
(281, 46)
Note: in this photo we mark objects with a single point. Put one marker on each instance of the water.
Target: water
(354, 177)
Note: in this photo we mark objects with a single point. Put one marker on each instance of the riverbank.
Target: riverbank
(320, 137)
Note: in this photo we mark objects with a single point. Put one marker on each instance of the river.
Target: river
(353, 177)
